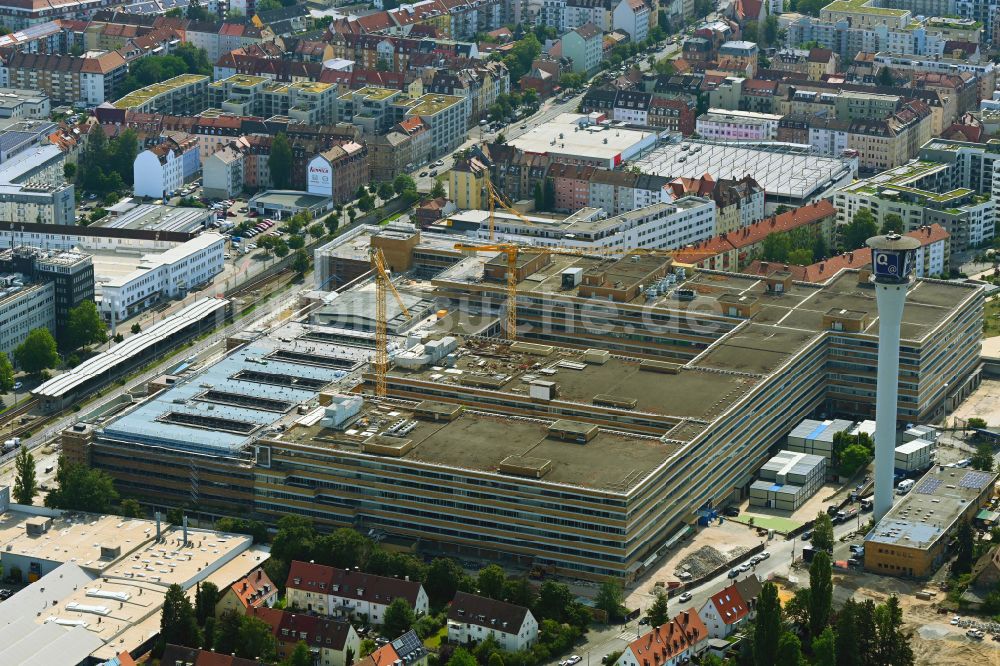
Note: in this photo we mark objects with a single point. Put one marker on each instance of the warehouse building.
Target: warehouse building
(911, 540)
(787, 480)
(816, 437)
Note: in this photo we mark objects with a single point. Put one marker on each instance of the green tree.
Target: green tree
(549, 194)
(280, 248)
(366, 647)
(893, 645)
(267, 5)
(124, 149)
(964, 548)
(443, 578)
(767, 628)
(750, 31)
(37, 352)
(495, 660)
(205, 598)
(801, 257)
(789, 650)
(892, 224)
(296, 242)
(884, 77)
(256, 640)
(300, 656)
(462, 657)
(80, 488)
(69, 171)
(343, 548)
(294, 539)
(177, 621)
(658, 612)
(553, 600)
(366, 203)
(518, 591)
(300, 263)
(975, 422)
(398, 618)
(822, 536)
(385, 191)
(136, 328)
(539, 197)
(797, 608)
(770, 31)
(982, 459)
(820, 592)
(437, 192)
(610, 599)
(846, 645)
(824, 649)
(130, 509)
(317, 230)
(854, 458)
(227, 632)
(25, 481)
(208, 633)
(402, 183)
(776, 247)
(279, 163)
(492, 582)
(861, 227)
(6, 374)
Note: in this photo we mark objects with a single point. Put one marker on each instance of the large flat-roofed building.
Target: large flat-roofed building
(23, 308)
(168, 275)
(912, 538)
(18, 103)
(156, 217)
(183, 95)
(33, 188)
(575, 138)
(585, 445)
(790, 175)
(725, 125)
(816, 437)
(658, 226)
(71, 273)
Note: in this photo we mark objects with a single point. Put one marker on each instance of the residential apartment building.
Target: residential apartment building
(223, 173)
(183, 95)
(732, 251)
(308, 102)
(737, 125)
(632, 17)
(725, 612)
(473, 619)
(675, 642)
(34, 188)
(89, 80)
(921, 195)
(338, 172)
(582, 12)
(331, 642)
(255, 590)
(334, 592)
(162, 170)
(985, 73)
(583, 45)
(406, 146)
(467, 184)
(891, 142)
(674, 114)
(23, 308)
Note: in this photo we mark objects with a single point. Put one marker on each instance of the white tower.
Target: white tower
(892, 262)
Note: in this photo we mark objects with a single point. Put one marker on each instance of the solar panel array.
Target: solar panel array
(927, 486)
(975, 480)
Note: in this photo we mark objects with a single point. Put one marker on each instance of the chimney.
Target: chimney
(185, 530)
(259, 573)
(156, 514)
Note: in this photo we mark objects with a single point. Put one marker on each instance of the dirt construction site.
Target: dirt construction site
(933, 638)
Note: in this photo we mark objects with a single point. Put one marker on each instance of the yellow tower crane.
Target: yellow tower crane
(382, 285)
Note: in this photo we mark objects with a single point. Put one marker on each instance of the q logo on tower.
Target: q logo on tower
(886, 263)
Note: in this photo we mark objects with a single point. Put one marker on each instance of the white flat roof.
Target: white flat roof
(563, 135)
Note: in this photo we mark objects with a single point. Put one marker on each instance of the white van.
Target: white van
(904, 486)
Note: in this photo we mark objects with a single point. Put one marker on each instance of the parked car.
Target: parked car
(684, 575)
(17, 386)
(643, 621)
(732, 511)
(745, 567)
(857, 548)
(764, 555)
(733, 573)
(6, 594)
(807, 535)
(575, 659)
(423, 173)
(685, 596)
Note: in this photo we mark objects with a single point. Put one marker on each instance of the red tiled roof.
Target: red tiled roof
(860, 258)
(319, 631)
(254, 588)
(756, 232)
(703, 187)
(375, 22)
(346, 583)
(730, 605)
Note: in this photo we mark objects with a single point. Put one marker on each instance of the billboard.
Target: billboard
(891, 264)
(319, 177)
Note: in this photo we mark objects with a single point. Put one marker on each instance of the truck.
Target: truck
(11, 444)
(868, 503)
(845, 515)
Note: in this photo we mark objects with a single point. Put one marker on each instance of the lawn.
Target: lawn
(391, 218)
(991, 318)
(776, 523)
(434, 642)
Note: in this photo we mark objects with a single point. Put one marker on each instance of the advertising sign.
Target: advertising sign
(320, 177)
